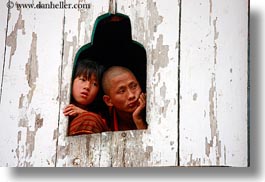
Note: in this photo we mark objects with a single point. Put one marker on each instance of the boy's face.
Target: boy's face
(124, 93)
(85, 90)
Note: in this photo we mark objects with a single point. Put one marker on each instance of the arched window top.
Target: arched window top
(112, 44)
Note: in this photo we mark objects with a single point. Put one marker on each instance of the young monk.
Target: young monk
(83, 113)
(123, 95)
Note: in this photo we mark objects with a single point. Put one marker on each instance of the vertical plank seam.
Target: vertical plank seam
(4, 60)
(124, 151)
(248, 88)
(100, 150)
(60, 93)
(179, 57)
(112, 6)
(88, 162)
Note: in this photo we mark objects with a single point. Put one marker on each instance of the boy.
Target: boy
(83, 110)
(123, 95)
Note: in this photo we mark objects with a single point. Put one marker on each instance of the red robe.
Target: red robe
(87, 123)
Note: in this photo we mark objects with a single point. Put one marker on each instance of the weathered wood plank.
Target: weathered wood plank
(155, 24)
(29, 104)
(213, 83)
(78, 27)
(150, 20)
(3, 27)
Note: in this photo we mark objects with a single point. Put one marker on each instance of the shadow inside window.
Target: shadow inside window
(112, 45)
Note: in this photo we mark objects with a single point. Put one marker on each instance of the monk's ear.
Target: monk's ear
(107, 100)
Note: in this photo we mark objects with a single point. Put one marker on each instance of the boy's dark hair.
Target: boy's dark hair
(86, 68)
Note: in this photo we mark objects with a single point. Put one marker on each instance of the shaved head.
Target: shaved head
(111, 73)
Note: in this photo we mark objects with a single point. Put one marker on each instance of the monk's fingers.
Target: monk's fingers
(143, 95)
(141, 104)
(142, 99)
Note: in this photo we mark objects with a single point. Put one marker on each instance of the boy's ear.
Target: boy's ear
(107, 100)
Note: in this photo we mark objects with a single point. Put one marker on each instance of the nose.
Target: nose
(87, 85)
(131, 95)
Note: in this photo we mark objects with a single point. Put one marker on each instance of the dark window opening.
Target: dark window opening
(112, 45)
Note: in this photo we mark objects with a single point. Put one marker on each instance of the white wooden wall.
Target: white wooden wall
(213, 82)
(197, 70)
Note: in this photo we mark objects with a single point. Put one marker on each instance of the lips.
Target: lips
(133, 104)
(84, 94)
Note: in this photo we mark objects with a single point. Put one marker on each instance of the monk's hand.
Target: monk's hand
(138, 113)
(72, 110)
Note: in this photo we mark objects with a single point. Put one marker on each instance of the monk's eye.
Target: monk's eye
(121, 91)
(134, 85)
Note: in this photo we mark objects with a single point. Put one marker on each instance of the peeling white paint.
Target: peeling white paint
(213, 86)
(210, 56)
(30, 87)
(3, 29)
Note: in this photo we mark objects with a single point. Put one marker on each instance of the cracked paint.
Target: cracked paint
(210, 11)
(24, 150)
(31, 69)
(194, 162)
(21, 99)
(213, 107)
(69, 46)
(214, 143)
(11, 40)
(195, 95)
(216, 35)
(160, 56)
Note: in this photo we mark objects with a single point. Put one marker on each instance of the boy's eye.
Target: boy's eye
(82, 79)
(95, 84)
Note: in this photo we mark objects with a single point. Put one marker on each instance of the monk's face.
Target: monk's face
(124, 92)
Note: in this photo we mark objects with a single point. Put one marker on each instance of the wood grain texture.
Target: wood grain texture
(213, 87)
(78, 27)
(30, 105)
(3, 31)
(131, 148)
(197, 73)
